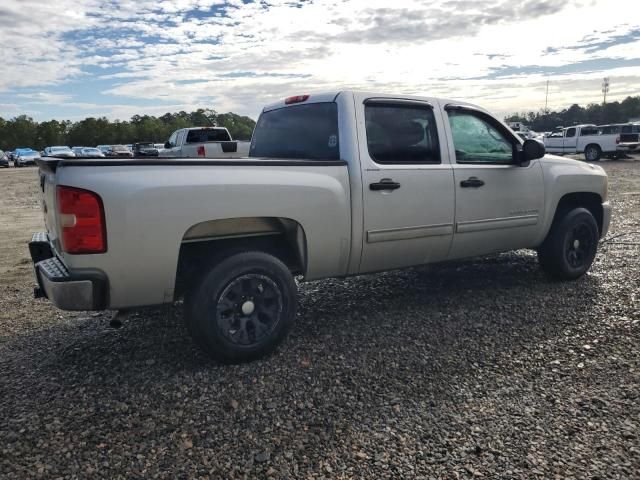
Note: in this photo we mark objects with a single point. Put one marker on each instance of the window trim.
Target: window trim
(402, 103)
(516, 142)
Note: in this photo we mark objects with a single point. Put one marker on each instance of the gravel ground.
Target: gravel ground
(482, 368)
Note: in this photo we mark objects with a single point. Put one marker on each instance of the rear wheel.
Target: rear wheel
(592, 153)
(242, 308)
(570, 247)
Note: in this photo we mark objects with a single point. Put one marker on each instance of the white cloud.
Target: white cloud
(249, 54)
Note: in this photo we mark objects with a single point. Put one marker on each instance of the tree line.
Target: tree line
(23, 131)
(596, 113)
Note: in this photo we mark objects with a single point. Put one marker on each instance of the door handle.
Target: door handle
(471, 182)
(384, 184)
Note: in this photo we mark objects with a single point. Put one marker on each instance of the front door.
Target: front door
(408, 193)
(554, 142)
(499, 204)
(570, 140)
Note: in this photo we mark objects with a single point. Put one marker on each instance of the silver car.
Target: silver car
(25, 156)
(90, 152)
(60, 152)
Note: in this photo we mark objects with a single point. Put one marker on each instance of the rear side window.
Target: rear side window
(587, 131)
(307, 132)
(208, 135)
(401, 134)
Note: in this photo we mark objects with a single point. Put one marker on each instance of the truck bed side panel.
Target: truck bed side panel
(149, 208)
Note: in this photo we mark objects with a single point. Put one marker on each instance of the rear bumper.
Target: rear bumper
(628, 147)
(606, 218)
(86, 290)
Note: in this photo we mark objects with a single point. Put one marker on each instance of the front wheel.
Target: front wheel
(242, 308)
(570, 247)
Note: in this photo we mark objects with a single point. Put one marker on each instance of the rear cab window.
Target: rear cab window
(305, 132)
(208, 135)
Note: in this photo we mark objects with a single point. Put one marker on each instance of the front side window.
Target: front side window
(305, 132)
(401, 134)
(477, 141)
(172, 139)
(180, 138)
(571, 132)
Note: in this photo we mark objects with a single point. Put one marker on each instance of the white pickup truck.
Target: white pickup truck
(203, 142)
(336, 184)
(587, 139)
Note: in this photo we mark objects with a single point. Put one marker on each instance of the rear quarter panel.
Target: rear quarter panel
(149, 208)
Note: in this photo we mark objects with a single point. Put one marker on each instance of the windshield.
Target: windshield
(91, 151)
(307, 132)
(119, 148)
(60, 149)
(145, 145)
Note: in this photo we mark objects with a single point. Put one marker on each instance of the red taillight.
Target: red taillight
(296, 99)
(81, 217)
(201, 151)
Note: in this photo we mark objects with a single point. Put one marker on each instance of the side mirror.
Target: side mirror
(167, 145)
(531, 150)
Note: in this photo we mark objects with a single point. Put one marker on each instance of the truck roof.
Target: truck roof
(204, 128)
(321, 97)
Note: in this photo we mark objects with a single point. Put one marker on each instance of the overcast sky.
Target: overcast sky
(76, 58)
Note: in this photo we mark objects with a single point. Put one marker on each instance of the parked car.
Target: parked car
(91, 152)
(4, 159)
(586, 139)
(24, 156)
(104, 149)
(336, 184)
(60, 152)
(144, 149)
(207, 142)
(119, 151)
(88, 152)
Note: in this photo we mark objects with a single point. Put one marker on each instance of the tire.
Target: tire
(570, 247)
(592, 153)
(242, 308)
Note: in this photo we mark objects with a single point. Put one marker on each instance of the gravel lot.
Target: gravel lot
(482, 368)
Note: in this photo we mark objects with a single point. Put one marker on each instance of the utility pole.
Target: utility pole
(605, 89)
(546, 99)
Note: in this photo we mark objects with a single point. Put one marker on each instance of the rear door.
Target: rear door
(408, 194)
(176, 140)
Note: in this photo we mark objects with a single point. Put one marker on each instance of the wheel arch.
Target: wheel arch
(589, 200)
(207, 242)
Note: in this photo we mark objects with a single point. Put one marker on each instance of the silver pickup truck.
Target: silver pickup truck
(335, 184)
